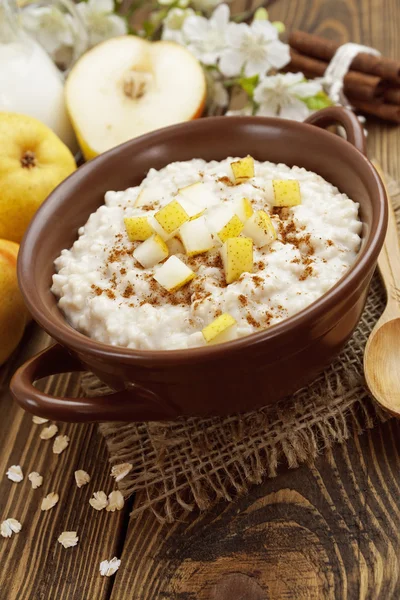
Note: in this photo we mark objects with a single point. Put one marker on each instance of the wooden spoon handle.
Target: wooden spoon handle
(389, 258)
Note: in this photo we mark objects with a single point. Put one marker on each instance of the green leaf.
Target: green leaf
(148, 28)
(320, 100)
(248, 84)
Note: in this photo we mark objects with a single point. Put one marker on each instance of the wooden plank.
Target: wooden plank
(322, 532)
(33, 564)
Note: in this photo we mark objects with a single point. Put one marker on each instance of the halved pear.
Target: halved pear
(151, 252)
(173, 274)
(128, 86)
(222, 329)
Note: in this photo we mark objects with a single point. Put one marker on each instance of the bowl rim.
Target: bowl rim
(78, 342)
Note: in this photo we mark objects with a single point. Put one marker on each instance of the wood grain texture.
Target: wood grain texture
(33, 565)
(329, 531)
(324, 532)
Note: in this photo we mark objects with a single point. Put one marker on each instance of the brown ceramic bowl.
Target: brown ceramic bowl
(237, 376)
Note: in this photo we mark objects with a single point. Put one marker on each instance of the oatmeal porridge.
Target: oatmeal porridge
(204, 252)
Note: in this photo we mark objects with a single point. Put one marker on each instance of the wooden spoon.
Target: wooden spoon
(382, 352)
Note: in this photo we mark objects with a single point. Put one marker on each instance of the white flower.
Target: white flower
(52, 28)
(206, 38)
(173, 23)
(255, 47)
(206, 6)
(281, 96)
(100, 20)
(109, 567)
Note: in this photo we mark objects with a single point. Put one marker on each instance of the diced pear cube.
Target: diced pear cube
(237, 257)
(243, 209)
(175, 246)
(222, 329)
(138, 228)
(260, 229)
(243, 169)
(151, 252)
(171, 216)
(145, 196)
(173, 274)
(196, 237)
(233, 228)
(286, 192)
(159, 230)
(192, 209)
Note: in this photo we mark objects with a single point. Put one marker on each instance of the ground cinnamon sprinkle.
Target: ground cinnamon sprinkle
(306, 273)
(128, 291)
(251, 321)
(258, 280)
(329, 242)
(110, 294)
(123, 271)
(97, 290)
(242, 299)
(225, 179)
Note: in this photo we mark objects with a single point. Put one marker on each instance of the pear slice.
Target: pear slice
(243, 209)
(151, 252)
(243, 169)
(127, 86)
(138, 228)
(173, 274)
(171, 217)
(260, 229)
(222, 329)
(196, 237)
(286, 192)
(237, 257)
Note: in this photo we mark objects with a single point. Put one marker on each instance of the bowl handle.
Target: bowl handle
(135, 404)
(336, 115)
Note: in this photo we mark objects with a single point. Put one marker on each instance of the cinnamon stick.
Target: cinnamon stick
(319, 47)
(392, 94)
(383, 110)
(358, 85)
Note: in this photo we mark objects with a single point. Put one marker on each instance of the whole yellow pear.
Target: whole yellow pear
(33, 161)
(13, 314)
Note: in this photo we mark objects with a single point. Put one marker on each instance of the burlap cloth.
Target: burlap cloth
(190, 464)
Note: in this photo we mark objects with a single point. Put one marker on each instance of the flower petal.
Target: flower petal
(295, 109)
(265, 30)
(231, 62)
(306, 89)
(221, 16)
(278, 54)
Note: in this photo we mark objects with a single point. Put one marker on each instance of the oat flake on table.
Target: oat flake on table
(99, 501)
(109, 567)
(121, 471)
(115, 501)
(60, 443)
(48, 432)
(10, 526)
(15, 474)
(68, 539)
(49, 501)
(36, 479)
(81, 478)
(39, 420)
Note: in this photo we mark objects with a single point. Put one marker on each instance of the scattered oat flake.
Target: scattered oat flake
(109, 567)
(48, 432)
(39, 420)
(15, 473)
(81, 478)
(121, 471)
(60, 443)
(68, 539)
(99, 501)
(49, 501)
(115, 501)
(10, 526)
(36, 479)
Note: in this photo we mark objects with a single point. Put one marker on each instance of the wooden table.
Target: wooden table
(330, 530)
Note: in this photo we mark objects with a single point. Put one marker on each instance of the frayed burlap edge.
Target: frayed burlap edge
(190, 464)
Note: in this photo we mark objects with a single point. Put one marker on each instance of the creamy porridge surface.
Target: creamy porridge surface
(108, 295)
